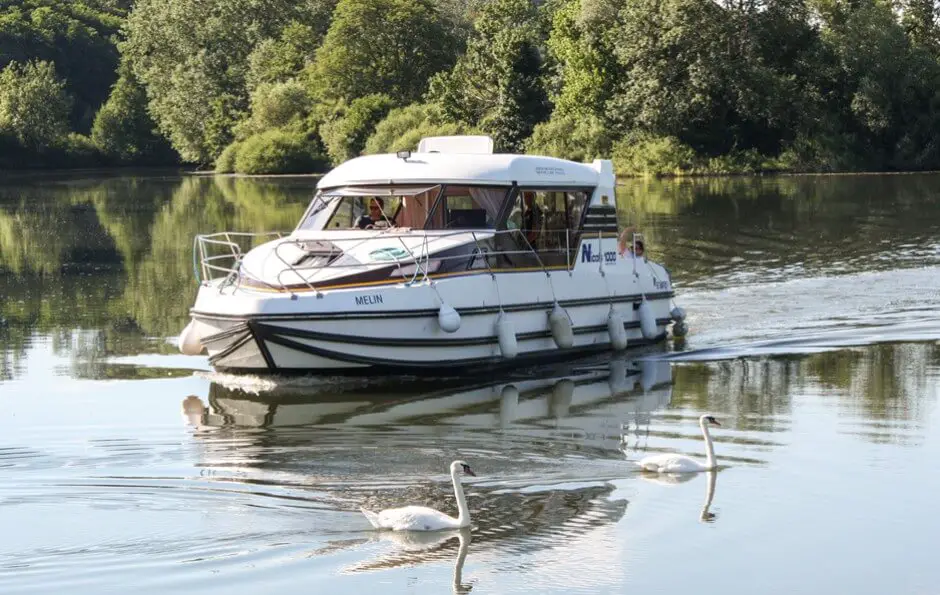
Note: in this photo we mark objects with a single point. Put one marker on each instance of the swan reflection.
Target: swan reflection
(415, 547)
(674, 479)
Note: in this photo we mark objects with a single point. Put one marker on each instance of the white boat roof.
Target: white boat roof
(466, 168)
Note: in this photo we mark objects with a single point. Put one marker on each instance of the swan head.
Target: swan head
(709, 419)
(458, 466)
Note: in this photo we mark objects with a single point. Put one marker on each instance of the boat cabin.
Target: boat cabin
(529, 210)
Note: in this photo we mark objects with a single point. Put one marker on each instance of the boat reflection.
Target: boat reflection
(590, 402)
(339, 449)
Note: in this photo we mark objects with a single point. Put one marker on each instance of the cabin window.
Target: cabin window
(467, 207)
(548, 221)
(370, 207)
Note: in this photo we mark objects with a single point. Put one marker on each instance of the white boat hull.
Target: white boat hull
(394, 328)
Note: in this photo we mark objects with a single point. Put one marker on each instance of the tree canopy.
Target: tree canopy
(662, 86)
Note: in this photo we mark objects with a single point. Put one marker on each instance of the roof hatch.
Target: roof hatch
(479, 145)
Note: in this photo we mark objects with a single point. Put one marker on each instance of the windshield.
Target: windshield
(428, 207)
(370, 207)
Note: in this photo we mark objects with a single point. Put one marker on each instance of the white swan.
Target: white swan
(422, 518)
(673, 463)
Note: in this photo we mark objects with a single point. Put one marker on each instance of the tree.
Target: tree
(277, 60)
(76, 37)
(123, 130)
(382, 46)
(345, 137)
(34, 106)
(586, 69)
(404, 127)
(496, 84)
(192, 57)
(567, 136)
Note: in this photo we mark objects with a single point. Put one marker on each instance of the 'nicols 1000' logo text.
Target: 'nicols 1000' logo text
(587, 255)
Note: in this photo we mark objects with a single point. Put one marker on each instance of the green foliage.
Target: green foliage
(404, 127)
(496, 84)
(646, 155)
(193, 58)
(382, 46)
(34, 105)
(587, 70)
(277, 152)
(806, 85)
(276, 105)
(81, 150)
(225, 162)
(123, 130)
(277, 60)
(345, 137)
(570, 137)
(78, 37)
(712, 77)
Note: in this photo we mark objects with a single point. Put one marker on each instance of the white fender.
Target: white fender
(649, 375)
(620, 378)
(561, 397)
(189, 340)
(647, 320)
(448, 319)
(508, 404)
(618, 334)
(561, 327)
(506, 334)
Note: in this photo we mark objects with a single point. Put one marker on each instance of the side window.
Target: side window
(555, 221)
(467, 207)
(345, 214)
(576, 203)
(549, 220)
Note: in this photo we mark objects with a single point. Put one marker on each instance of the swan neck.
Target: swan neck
(463, 516)
(709, 447)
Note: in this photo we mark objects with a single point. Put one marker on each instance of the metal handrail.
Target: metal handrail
(419, 255)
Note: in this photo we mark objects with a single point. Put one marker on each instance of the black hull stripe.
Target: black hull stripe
(258, 333)
(378, 365)
(235, 346)
(235, 330)
(475, 311)
(264, 331)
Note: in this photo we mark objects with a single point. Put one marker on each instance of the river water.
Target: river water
(814, 308)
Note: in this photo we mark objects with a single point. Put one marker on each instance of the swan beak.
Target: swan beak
(469, 471)
(715, 422)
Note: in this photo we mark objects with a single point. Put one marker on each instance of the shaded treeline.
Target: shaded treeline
(663, 86)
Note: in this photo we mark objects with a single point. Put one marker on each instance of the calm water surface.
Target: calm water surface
(814, 304)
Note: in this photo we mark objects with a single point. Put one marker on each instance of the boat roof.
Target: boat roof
(466, 168)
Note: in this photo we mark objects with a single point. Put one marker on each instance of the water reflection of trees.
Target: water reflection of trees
(114, 255)
(884, 386)
(823, 223)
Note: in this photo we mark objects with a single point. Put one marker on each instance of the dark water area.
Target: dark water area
(814, 307)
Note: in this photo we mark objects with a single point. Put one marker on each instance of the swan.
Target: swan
(673, 463)
(422, 518)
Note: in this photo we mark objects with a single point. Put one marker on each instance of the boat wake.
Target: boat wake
(812, 315)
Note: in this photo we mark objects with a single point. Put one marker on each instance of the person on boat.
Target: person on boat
(627, 241)
(376, 216)
(527, 218)
(531, 219)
